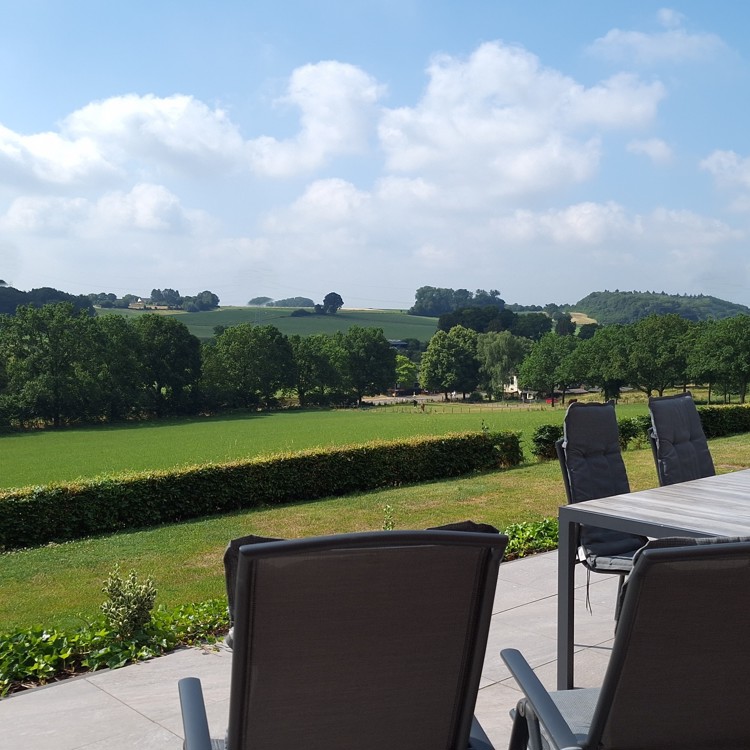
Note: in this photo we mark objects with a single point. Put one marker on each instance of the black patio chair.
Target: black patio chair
(371, 640)
(592, 467)
(677, 676)
(677, 439)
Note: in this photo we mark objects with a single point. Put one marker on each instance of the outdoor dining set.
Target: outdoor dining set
(377, 639)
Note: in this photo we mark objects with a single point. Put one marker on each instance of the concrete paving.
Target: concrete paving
(137, 706)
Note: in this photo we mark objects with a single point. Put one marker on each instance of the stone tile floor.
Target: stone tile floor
(137, 706)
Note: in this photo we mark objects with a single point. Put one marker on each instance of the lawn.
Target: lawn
(61, 584)
(44, 456)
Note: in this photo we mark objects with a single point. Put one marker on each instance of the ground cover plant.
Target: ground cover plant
(40, 457)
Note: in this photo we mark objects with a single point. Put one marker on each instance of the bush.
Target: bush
(543, 441)
(128, 607)
(530, 537)
(730, 419)
(33, 516)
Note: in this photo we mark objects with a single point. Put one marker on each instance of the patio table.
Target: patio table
(712, 506)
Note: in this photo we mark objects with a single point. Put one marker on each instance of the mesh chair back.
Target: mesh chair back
(363, 640)
(592, 466)
(678, 674)
(680, 447)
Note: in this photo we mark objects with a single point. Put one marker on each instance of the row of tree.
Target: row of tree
(656, 353)
(59, 365)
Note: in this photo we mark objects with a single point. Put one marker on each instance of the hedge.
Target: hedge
(33, 516)
(717, 421)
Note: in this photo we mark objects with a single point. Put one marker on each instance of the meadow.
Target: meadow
(45, 456)
(395, 324)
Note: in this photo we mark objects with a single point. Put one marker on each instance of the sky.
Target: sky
(544, 149)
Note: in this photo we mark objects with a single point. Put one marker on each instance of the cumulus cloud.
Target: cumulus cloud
(336, 102)
(673, 44)
(654, 148)
(178, 129)
(147, 207)
(502, 121)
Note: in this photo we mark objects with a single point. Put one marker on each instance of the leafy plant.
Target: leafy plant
(127, 609)
(389, 519)
(530, 537)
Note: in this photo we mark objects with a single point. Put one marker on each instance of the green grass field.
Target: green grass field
(395, 324)
(41, 457)
(60, 585)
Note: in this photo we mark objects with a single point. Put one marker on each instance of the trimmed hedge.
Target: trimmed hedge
(33, 516)
(717, 421)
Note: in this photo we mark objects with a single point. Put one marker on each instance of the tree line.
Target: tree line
(60, 365)
(651, 355)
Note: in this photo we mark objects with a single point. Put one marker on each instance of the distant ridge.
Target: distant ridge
(628, 307)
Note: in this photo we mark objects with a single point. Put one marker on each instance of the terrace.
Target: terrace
(137, 706)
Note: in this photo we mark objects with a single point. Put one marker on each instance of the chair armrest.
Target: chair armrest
(194, 720)
(540, 701)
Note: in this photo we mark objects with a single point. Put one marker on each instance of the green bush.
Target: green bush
(543, 441)
(729, 419)
(127, 609)
(33, 516)
(530, 537)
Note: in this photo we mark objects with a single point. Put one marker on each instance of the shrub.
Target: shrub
(543, 441)
(530, 537)
(58, 512)
(128, 607)
(719, 421)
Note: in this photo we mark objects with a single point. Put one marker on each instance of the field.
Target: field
(395, 324)
(41, 457)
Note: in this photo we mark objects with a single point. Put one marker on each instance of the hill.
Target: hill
(628, 307)
(395, 324)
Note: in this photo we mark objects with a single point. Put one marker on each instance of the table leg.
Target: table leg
(566, 558)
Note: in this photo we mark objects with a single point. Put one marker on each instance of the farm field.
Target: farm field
(60, 585)
(395, 324)
(42, 457)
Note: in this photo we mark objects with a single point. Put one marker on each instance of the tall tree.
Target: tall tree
(369, 366)
(332, 303)
(500, 355)
(450, 362)
(542, 369)
(170, 361)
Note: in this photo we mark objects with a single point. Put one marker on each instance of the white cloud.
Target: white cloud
(674, 44)
(505, 124)
(145, 208)
(731, 172)
(654, 148)
(336, 101)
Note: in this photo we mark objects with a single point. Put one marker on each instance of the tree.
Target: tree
(541, 370)
(259, 301)
(170, 362)
(500, 355)
(50, 364)
(332, 303)
(316, 374)
(564, 325)
(254, 364)
(657, 353)
(531, 325)
(450, 362)
(369, 365)
(406, 372)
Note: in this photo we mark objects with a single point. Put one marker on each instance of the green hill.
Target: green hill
(628, 307)
(395, 324)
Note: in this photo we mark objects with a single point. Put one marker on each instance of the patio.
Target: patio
(137, 706)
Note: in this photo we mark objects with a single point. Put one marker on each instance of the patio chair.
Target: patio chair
(677, 675)
(677, 440)
(370, 640)
(592, 467)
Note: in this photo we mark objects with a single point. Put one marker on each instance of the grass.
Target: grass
(44, 456)
(395, 324)
(60, 585)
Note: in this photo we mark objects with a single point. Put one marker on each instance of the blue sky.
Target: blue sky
(544, 149)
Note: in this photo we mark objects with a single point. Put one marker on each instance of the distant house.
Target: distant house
(512, 390)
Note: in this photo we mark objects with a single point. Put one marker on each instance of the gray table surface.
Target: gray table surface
(712, 506)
